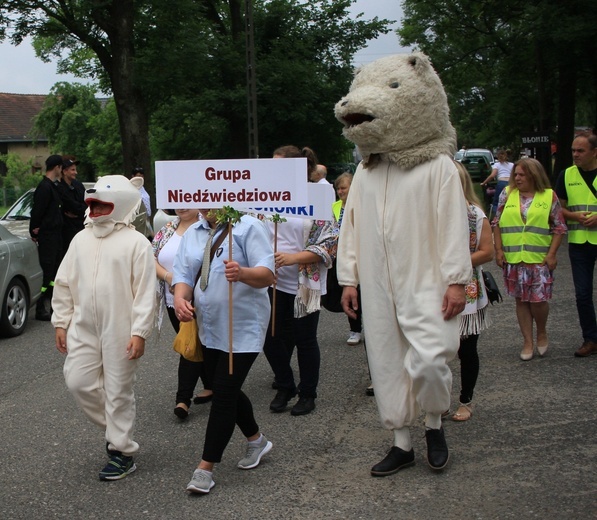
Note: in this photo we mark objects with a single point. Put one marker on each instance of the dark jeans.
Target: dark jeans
(189, 372)
(229, 406)
(304, 335)
(469, 367)
(582, 262)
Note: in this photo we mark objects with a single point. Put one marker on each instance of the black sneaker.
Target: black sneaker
(281, 400)
(119, 466)
(303, 406)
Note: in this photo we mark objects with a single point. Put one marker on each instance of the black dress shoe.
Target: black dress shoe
(181, 413)
(437, 449)
(202, 399)
(395, 460)
(281, 400)
(43, 316)
(303, 406)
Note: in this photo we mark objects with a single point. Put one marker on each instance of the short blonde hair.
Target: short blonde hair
(343, 176)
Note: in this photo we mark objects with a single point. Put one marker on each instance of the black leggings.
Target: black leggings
(230, 406)
(189, 372)
(469, 367)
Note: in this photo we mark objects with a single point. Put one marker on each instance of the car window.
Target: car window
(22, 208)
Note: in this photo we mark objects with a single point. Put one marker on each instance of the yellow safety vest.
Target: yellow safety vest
(580, 198)
(336, 208)
(528, 243)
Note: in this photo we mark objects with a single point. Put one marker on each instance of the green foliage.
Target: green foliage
(502, 63)
(66, 120)
(20, 177)
(105, 147)
(182, 67)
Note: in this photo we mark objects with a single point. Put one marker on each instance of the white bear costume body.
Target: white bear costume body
(404, 235)
(105, 294)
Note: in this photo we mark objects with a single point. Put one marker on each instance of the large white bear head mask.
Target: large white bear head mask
(113, 200)
(397, 109)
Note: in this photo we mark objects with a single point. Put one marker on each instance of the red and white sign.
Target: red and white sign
(240, 183)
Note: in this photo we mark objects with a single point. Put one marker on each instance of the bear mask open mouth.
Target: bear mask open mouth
(98, 208)
(356, 119)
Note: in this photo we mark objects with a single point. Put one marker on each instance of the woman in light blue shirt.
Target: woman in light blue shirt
(251, 271)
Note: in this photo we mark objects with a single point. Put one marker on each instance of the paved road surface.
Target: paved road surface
(530, 451)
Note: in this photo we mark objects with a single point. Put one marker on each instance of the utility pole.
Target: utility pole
(251, 82)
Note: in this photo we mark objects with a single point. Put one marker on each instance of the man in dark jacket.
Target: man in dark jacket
(72, 193)
(45, 228)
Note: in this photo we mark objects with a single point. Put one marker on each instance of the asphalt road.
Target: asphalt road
(529, 451)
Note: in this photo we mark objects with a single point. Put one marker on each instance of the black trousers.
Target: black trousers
(189, 372)
(469, 367)
(229, 406)
(49, 249)
(277, 349)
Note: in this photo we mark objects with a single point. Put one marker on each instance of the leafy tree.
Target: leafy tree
(181, 65)
(105, 146)
(20, 177)
(66, 120)
(83, 29)
(509, 67)
(303, 67)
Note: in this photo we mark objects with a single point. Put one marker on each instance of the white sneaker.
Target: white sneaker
(201, 482)
(354, 338)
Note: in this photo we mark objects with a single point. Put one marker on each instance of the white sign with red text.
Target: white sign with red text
(321, 198)
(240, 183)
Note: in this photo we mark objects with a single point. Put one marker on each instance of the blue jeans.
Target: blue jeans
(582, 261)
(496, 196)
(278, 348)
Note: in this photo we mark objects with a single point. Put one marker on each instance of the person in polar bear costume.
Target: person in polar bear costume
(405, 240)
(103, 304)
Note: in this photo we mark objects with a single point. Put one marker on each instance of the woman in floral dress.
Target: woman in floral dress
(528, 229)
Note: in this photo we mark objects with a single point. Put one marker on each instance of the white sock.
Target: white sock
(433, 421)
(256, 442)
(402, 439)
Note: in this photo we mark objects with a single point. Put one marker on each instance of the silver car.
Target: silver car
(20, 281)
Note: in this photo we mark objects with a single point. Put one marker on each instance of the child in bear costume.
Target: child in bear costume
(103, 306)
(404, 239)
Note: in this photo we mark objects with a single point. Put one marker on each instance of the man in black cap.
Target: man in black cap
(72, 193)
(45, 228)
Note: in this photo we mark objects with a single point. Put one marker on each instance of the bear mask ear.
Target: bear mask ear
(137, 182)
(419, 62)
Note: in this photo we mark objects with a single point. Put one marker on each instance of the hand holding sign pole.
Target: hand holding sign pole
(229, 216)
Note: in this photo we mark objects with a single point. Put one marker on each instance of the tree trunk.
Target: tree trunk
(128, 95)
(566, 112)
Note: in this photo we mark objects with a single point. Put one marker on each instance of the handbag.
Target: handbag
(331, 300)
(493, 291)
(187, 342)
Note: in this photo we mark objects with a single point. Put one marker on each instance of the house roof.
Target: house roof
(16, 116)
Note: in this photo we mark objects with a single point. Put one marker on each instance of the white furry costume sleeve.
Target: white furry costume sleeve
(406, 226)
(107, 285)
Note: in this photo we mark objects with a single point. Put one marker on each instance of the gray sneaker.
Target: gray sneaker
(254, 454)
(201, 482)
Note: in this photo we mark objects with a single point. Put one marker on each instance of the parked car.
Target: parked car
(477, 161)
(21, 279)
(16, 219)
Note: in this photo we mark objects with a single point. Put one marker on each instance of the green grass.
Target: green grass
(3, 209)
